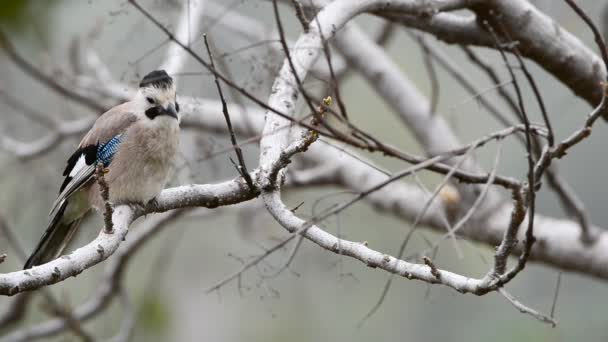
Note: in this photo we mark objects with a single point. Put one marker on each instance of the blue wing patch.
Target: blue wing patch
(84, 157)
(106, 152)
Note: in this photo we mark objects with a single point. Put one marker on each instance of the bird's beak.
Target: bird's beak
(170, 110)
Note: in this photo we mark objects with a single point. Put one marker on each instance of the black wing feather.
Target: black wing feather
(90, 155)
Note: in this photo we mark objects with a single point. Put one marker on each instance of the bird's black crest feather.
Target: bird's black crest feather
(158, 79)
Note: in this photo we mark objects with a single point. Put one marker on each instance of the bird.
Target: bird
(136, 143)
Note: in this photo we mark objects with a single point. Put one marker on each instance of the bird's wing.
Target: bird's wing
(111, 123)
(98, 145)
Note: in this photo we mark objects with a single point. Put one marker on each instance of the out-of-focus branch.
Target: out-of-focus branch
(448, 27)
(35, 73)
(538, 36)
(16, 310)
(20, 305)
(108, 289)
(96, 251)
(188, 25)
(560, 53)
(32, 149)
(129, 319)
(432, 131)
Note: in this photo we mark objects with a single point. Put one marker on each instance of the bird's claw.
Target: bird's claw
(138, 206)
(152, 203)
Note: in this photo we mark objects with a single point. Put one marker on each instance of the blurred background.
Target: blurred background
(323, 296)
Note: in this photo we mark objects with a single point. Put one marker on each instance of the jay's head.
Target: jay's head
(157, 95)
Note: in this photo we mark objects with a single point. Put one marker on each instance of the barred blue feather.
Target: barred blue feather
(105, 152)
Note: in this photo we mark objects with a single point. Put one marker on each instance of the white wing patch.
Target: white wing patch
(79, 180)
(80, 164)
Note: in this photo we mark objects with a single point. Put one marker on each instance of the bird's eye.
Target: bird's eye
(177, 107)
(150, 100)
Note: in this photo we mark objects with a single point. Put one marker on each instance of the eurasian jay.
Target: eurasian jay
(136, 141)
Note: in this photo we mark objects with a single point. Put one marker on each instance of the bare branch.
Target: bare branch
(242, 168)
(104, 190)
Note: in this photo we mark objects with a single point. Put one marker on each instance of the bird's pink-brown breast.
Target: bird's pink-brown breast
(141, 167)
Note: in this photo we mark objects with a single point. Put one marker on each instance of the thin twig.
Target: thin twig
(567, 197)
(493, 75)
(290, 258)
(527, 310)
(530, 195)
(434, 271)
(335, 80)
(312, 221)
(294, 71)
(432, 73)
(301, 15)
(410, 233)
(242, 168)
(556, 293)
(478, 201)
(104, 190)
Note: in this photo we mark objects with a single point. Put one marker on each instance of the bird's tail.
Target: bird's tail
(56, 237)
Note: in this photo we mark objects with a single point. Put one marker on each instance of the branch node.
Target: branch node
(434, 271)
(100, 250)
(56, 273)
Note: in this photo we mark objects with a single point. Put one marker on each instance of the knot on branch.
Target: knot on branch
(434, 271)
(56, 273)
